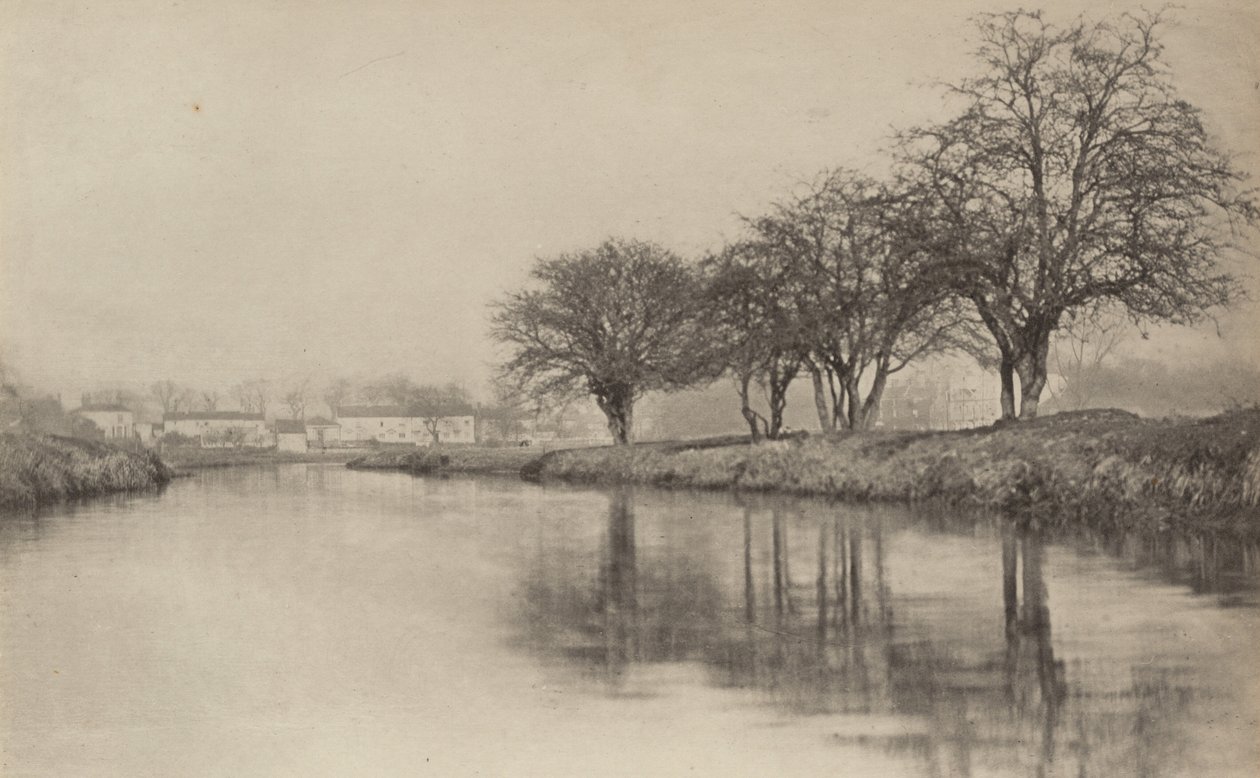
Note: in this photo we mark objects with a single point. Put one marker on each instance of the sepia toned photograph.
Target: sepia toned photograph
(664, 388)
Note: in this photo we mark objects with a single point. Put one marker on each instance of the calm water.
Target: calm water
(309, 620)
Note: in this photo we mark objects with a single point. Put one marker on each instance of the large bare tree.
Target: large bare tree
(867, 296)
(615, 321)
(1076, 179)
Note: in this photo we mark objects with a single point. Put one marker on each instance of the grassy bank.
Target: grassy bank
(1102, 468)
(36, 470)
(464, 459)
(191, 457)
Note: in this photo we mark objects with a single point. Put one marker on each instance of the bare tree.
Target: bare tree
(507, 413)
(253, 396)
(185, 400)
(1076, 178)
(435, 403)
(751, 312)
(210, 400)
(615, 321)
(868, 299)
(336, 393)
(297, 397)
(395, 388)
(166, 392)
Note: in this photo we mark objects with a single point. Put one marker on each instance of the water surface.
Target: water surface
(309, 620)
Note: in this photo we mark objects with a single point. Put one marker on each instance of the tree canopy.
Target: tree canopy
(614, 321)
(1075, 180)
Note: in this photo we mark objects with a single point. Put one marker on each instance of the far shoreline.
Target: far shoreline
(1090, 469)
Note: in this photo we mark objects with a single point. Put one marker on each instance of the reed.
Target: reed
(39, 469)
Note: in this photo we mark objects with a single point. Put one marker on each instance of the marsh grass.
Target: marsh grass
(454, 459)
(1102, 467)
(194, 457)
(39, 469)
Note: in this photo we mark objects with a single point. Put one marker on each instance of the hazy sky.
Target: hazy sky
(220, 190)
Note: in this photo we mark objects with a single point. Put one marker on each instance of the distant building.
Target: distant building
(219, 428)
(290, 435)
(113, 420)
(950, 402)
(452, 429)
(147, 432)
(400, 425)
(322, 433)
(382, 423)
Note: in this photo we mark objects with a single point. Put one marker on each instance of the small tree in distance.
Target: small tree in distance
(616, 321)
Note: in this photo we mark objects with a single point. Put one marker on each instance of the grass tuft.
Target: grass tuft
(39, 469)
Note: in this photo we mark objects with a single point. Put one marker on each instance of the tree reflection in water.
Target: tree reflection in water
(942, 686)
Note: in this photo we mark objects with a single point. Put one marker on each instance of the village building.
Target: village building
(147, 432)
(113, 420)
(322, 433)
(290, 435)
(949, 402)
(219, 428)
(400, 425)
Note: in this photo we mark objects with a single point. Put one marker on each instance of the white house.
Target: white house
(322, 433)
(290, 435)
(219, 428)
(452, 429)
(397, 424)
(115, 421)
(384, 423)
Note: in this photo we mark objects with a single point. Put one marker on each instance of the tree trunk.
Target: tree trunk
(617, 403)
(826, 422)
(870, 408)
(745, 407)
(854, 396)
(1007, 371)
(1032, 377)
(778, 382)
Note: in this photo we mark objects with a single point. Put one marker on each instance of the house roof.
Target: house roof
(287, 426)
(102, 408)
(398, 412)
(212, 416)
(374, 411)
(320, 421)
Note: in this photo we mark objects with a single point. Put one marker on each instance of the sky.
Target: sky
(218, 191)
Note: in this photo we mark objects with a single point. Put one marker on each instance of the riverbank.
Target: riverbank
(1099, 468)
(40, 469)
(462, 459)
(195, 458)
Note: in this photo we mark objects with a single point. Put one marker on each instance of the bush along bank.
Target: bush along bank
(40, 469)
(453, 459)
(1101, 468)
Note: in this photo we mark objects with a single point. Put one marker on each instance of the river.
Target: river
(309, 620)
